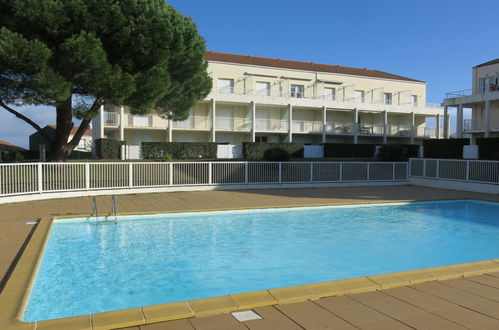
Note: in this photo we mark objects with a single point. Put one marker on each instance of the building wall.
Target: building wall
(482, 72)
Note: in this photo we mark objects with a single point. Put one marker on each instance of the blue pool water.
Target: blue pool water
(91, 267)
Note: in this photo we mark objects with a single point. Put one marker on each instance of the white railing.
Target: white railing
(475, 171)
(111, 118)
(371, 129)
(271, 125)
(193, 122)
(399, 130)
(232, 123)
(307, 126)
(41, 178)
(464, 92)
(140, 120)
(473, 125)
(340, 128)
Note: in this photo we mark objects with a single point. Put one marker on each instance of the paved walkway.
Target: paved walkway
(16, 223)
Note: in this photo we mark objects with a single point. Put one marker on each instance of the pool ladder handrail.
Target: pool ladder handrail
(95, 209)
(115, 210)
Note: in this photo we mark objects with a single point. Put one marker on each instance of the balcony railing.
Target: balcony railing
(271, 125)
(111, 118)
(193, 122)
(140, 120)
(304, 126)
(464, 92)
(232, 123)
(399, 130)
(473, 125)
(340, 128)
(371, 129)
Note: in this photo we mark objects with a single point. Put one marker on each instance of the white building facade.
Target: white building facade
(260, 99)
(482, 98)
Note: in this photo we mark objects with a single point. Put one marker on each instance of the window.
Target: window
(297, 91)
(487, 84)
(414, 100)
(226, 86)
(329, 93)
(262, 88)
(261, 139)
(387, 98)
(359, 96)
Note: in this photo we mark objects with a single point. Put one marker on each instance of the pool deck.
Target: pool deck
(468, 302)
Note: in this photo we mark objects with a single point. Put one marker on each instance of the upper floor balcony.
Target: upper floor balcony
(232, 124)
(307, 126)
(271, 125)
(469, 97)
(193, 123)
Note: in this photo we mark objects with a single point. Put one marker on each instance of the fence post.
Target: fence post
(87, 176)
(246, 173)
(368, 171)
(467, 170)
(170, 174)
(130, 175)
(341, 171)
(209, 173)
(438, 169)
(40, 178)
(311, 172)
(280, 172)
(424, 167)
(393, 171)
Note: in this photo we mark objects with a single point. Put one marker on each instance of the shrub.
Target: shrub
(11, 156)
(393, 153)
(179, 150)
(257, 150)
(444, 148)
(167, 158)
(276, 154)
(348, 150)
(108, 148)
(488, 148)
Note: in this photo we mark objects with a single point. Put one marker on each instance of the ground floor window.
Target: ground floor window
(261, 139)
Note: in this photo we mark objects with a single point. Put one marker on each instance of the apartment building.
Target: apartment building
(482, 98)
(275, 100)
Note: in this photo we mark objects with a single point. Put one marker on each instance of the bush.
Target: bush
(167, 158)
(347, 150)
(108, 148)
(257, 150)
(179, 150)
(276, 154)
(11, 156)
(488, 148)
(393, 153)
(444, 148)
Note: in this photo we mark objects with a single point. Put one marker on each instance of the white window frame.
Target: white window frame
(359, 96)
(414, 100)
(387, 98)
(226, 85)
(331, 95)
(262, 91)
(297, 91)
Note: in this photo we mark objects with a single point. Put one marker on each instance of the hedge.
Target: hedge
(11, 156)
(488, 148)
(257, 150)
(444, 148)
(397, 152)
(179, 150)
(347, 150)
(108, 148)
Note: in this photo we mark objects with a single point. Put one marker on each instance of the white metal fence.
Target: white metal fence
(39, 178)
(477, 171)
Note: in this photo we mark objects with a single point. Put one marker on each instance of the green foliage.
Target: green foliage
(257, 150)
(11, 156)
(108, 148)
(179, 150)
(348, 150)
(393, 153)
(444, 148)
(276, 154)
(488, 148)
(167, 157)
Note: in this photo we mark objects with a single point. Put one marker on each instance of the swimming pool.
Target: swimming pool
(91, 267)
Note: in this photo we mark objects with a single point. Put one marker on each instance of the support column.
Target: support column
(122, 123)
(459, 126)
(290, 128)
(324, 117)
(437, 126)
(356, 126)
(446, 122)
(487, 119)
(212, 113)
(413, 128)
(253, 120)
(385, 127)
(101, 122)
(169, 132)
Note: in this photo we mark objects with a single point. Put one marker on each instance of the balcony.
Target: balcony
(139, 120)
(371, 129)
(473, 125)
(399, 130)
(193, 122)
(232, 124)
(427, 132)
(304, 126)
(340, 128)
(271, 125)
(111, 119)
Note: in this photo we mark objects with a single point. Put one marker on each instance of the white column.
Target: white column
(101, 122)
(446, 122)
(437, 126)
(459, 126)
(356, 126)
(324, 116)
(290, 128)
(212, 112)
(253, 120)
(413, 128)
(169, 132)
(122, 123)
(487, 118)
(385, 127)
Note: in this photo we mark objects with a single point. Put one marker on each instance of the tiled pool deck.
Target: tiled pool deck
(467, 302)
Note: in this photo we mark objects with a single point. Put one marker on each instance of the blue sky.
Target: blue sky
(434, 41)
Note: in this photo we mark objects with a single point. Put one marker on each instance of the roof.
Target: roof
(74, 129)
(488, 63)
(297, 65)
(4, 145)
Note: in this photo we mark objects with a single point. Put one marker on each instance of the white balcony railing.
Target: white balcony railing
(271, 125)
(111, 118)
(232, 123)
(464, 92)
(340, 128)
(399, 130)
(473, 125)
(194, 122)
(140, 120)
(371, 129)
(304, 126)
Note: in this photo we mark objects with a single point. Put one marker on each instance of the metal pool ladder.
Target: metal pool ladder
(95, 210)
(115, 211)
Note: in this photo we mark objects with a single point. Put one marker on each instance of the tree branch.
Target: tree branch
(44, 134)
(85, 123)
